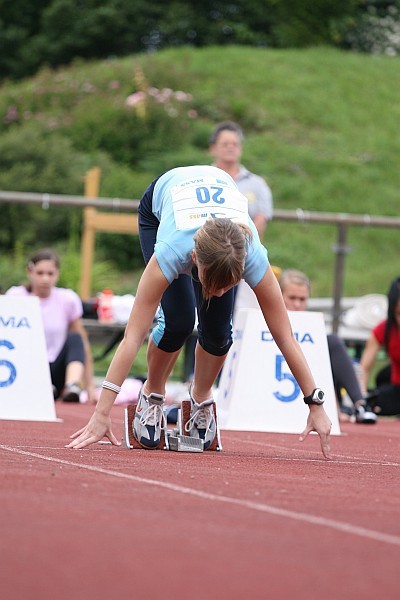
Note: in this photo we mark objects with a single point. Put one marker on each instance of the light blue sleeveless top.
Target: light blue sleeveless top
(183, 199)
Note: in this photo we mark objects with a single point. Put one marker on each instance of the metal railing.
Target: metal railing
(341, 220)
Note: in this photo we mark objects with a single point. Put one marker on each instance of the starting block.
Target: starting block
(129, 441)
(175, 439)
(184, 416)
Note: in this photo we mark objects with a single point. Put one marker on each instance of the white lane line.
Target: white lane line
(33, 447)
(371, 534)
(356, 460)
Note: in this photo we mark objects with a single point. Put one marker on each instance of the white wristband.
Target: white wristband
(111, 386)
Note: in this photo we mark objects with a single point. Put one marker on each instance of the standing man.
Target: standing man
(226, 143)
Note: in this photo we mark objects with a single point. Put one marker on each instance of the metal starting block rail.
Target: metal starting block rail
(185, 443)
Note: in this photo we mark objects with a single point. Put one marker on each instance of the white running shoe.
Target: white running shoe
(202, 422)
(149, 421)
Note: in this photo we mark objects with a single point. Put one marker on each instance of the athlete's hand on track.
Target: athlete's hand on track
(319, 421)
(98, 427)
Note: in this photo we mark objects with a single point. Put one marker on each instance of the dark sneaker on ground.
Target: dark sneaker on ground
(365, 414)
(149, 421)
(202, 422)
(71, 393)
(347, 413)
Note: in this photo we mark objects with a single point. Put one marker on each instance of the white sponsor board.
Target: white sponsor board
(25, 382)
(257, 391)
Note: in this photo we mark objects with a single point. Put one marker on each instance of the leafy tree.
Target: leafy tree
(374, 29)
(20, 22)
(54, 32)
(299, 23)
(94, 29)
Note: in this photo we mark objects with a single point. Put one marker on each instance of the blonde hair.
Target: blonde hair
(294, 276)
(220, 246)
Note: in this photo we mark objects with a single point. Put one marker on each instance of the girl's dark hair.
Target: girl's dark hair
(43, 254)
(393, 298)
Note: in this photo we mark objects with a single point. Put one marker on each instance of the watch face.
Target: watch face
(317, 397)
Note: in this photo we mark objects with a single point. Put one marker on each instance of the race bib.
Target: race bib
(196, 200)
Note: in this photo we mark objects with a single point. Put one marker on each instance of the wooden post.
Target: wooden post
(92, 185)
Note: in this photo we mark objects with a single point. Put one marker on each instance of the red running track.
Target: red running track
(267, 518)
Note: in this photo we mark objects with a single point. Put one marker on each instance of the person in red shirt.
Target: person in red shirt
(387, 335)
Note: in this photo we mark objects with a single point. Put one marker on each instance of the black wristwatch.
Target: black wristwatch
(317, 397)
